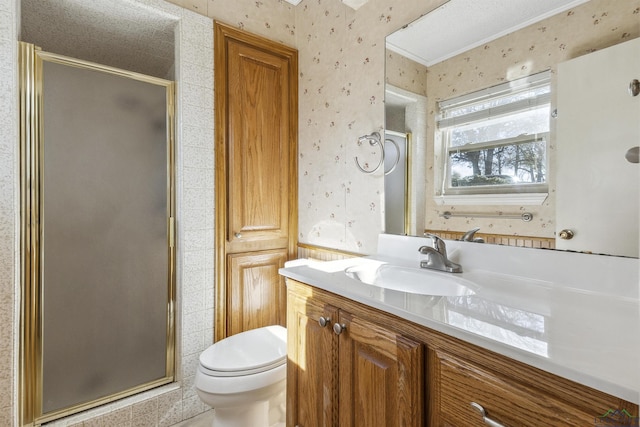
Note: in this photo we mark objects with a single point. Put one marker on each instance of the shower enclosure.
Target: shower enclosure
(98, 249)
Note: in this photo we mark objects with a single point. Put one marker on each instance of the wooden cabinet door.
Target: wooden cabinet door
(312, 363)
(381, 376)
(258, 293)
(258, 148)
(256, 177)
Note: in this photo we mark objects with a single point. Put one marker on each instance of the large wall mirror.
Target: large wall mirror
(520, 118)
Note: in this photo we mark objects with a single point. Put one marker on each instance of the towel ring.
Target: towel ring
(374, 139)
(397, 157)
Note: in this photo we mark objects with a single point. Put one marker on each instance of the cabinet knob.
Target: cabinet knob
(238, 235)
(323, 321)
(488, 421)
(566, 234)
(339, 328)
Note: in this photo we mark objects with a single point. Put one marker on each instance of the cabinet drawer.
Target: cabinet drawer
(506, 402)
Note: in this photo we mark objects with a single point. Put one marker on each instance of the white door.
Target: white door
(598, 122)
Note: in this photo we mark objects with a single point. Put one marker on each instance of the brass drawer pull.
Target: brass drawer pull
(488, 421)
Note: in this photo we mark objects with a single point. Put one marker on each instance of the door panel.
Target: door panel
(257, 294)
(597, 189)
(312, 369)
(258, 147)
(381, 376)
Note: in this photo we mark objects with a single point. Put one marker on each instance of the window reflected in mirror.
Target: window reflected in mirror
(496, 139)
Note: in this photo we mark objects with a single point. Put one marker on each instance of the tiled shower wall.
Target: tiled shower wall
(9, 200)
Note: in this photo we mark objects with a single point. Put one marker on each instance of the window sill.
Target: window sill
(521, 199)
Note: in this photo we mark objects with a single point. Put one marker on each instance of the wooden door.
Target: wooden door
(312, 367)
(381, 376)
(258, 295)
(256, 178)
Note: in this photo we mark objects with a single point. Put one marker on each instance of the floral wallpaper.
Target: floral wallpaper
(406, 74)
(342, 62)
(274, 19)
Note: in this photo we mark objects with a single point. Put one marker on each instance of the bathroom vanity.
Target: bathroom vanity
(524, 346)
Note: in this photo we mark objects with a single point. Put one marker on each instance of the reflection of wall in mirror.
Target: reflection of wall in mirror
(591, 26)
(406, 74)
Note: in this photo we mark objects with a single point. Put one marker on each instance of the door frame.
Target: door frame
(30, 389)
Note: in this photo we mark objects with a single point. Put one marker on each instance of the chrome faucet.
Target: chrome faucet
(437, 256)
(469, 236)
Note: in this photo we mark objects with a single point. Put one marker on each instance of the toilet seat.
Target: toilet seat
(247, 353)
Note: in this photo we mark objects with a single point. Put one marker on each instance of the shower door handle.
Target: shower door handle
(172, 232)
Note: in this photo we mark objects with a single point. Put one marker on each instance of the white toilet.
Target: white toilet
(243, 378)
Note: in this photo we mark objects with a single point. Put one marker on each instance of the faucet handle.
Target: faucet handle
(469, 236)
(438, 243)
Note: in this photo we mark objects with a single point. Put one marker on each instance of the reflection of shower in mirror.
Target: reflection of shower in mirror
(395, 182)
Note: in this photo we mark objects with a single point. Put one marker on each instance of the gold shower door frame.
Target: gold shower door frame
(30, 381)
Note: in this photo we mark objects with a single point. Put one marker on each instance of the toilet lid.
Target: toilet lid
(248, 352)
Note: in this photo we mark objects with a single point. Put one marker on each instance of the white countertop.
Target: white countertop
(581, 334)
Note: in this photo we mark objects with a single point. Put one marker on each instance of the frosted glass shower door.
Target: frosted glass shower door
(106, 269)
(395, 182)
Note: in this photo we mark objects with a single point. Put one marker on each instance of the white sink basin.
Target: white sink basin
(413, 280)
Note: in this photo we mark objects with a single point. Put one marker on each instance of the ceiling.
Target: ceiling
(119, 33)
(478, 22)
(127, 34)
